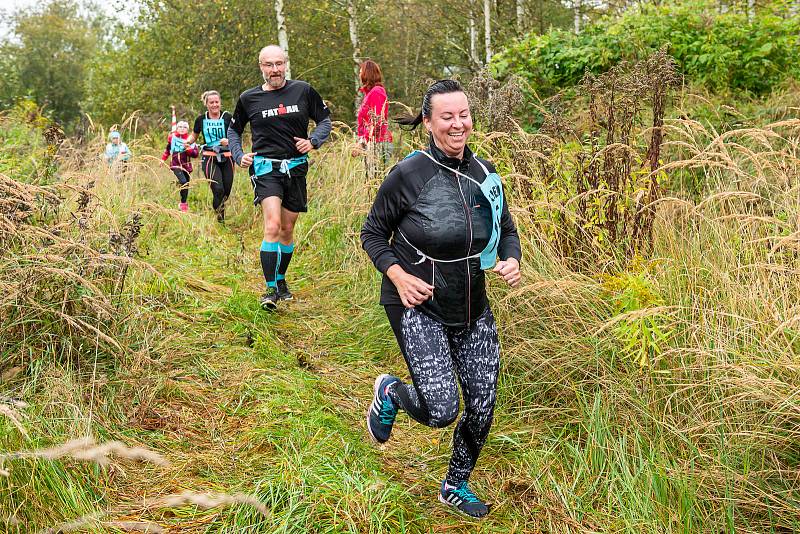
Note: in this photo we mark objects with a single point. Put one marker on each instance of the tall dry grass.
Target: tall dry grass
(659, 392)
(672, 381)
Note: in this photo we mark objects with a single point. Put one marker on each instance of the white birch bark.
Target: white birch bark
(576, 6)
(352, 16)
(487, 29)
(283, 37)
(520, 17)
(473, 40)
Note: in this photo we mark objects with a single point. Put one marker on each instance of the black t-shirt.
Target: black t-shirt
(212, 129)
(276, 117)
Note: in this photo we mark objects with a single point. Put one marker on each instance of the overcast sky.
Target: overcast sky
(124, 10)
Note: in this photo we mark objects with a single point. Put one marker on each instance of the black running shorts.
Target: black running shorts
(290, 189)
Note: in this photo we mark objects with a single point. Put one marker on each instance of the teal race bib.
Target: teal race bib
(213, 131)
(177, 145)
(492, 189)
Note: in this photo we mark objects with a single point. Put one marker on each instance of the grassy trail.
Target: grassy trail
(274, 404)
(702, 437)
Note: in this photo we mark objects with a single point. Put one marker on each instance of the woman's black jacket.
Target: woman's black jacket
(445, 216)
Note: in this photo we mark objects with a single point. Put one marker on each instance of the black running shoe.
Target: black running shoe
(283, 291)
(462, 498)
(221, 214)
(382, 411)
(269, 300)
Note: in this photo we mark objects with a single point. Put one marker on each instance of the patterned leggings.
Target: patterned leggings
(436, 356)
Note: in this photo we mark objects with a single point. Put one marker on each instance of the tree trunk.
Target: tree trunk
(283, 38)
(487, 29)
(520, 17)
(576, 6)
(751, 11)
(352, 13)
(473, 40)
(541, 17)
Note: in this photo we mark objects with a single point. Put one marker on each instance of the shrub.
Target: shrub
(723, 51)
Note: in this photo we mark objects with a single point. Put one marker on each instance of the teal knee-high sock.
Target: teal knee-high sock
(270, 256)
(285, 257)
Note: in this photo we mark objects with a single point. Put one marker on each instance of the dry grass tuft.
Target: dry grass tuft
(87, 450)
(206, 501)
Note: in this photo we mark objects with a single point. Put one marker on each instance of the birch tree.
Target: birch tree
(351, 7)
(520, 17)
(473, 40)
(283, 37)
(487, 29)
(352, 16)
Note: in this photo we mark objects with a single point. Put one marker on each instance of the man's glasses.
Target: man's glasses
(277, 64)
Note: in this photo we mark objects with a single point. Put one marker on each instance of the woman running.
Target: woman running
(180, 151)
(217, 162)
(374, 137)
(438, 221)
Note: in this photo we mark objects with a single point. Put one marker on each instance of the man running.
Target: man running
(278, 112)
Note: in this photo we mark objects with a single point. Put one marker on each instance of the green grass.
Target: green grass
(240, 400)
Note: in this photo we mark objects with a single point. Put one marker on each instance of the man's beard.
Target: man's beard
(272, 83)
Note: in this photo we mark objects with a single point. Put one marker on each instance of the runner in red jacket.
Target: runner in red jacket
(180, 155)
(373, 124)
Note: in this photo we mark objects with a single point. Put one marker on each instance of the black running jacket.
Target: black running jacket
(446, 217)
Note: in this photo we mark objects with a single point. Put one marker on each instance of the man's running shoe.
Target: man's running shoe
(269, 300)
(283, 291)
(462, 498)
(221, 214)
(382, 411)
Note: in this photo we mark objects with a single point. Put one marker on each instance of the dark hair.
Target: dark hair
(441, 87)
(370, 74)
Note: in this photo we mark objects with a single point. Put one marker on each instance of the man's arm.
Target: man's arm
(321, 132)
(321, 115)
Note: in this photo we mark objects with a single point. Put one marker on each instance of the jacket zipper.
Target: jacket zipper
(469, 247)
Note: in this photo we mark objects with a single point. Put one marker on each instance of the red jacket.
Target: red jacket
(180, 160)
(373, 122)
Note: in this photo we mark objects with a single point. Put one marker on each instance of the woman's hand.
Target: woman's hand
(412, 290)
(509, 271)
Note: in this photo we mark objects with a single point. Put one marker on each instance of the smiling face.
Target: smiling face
(272, 62)
(450, 122)
(213, 104)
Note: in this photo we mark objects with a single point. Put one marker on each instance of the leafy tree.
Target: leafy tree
(177, 50)
(47, 58)
(722, 51)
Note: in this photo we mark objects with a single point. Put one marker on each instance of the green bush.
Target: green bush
(723, 52)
